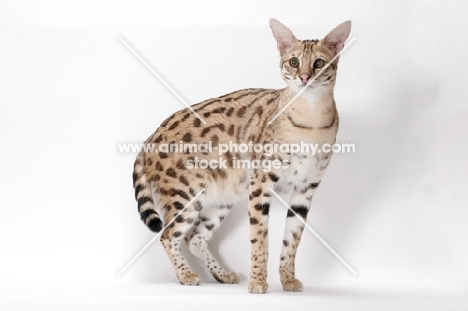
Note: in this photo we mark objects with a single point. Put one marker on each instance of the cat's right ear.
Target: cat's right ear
(283, 36)
(337, 37)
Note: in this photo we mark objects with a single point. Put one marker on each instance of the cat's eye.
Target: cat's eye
(319, 63)
(294, 62)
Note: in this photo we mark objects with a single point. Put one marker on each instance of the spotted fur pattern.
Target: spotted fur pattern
(240, 117)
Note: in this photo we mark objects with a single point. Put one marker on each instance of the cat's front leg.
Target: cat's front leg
(300, 204)
(259, 208)
(297, 214)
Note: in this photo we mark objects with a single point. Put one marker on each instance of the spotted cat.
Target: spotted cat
(258, 116)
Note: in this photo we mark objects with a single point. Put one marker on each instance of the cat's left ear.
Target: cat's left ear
(337, 37)
(283, 36)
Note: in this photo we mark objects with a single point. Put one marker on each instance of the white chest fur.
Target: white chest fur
(300, 171)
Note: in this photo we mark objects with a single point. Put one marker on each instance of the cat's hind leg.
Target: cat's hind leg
(197, 241)
(171, 239)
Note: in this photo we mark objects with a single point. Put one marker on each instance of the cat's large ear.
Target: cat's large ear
(337, 37)
(283, 36)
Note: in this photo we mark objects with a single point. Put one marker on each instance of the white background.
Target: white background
(70, 92)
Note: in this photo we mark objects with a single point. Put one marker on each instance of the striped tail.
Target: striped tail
(144, 196)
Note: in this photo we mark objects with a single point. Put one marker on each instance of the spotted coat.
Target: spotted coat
(241, 117)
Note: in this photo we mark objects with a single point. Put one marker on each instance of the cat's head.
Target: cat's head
(303, 60)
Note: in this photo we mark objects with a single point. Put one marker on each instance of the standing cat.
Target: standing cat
(241, 117)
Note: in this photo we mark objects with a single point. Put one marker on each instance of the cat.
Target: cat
(241, 117)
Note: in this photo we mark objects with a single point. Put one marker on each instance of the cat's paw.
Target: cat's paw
(227, 278)
(190, 279)
(293, 285)
(258, 287)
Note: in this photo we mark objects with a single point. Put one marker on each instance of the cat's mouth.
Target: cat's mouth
(310, 85)
(315, 83)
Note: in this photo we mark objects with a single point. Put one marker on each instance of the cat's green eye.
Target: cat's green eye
(319, 63)
(294, 62)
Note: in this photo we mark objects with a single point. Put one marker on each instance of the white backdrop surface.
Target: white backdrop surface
(396, 210)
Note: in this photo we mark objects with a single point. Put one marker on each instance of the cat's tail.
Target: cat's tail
(144, 195)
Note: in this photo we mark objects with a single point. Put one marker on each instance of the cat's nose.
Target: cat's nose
(304, 78)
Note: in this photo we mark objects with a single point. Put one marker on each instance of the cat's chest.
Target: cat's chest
(313, 136)
(297, 171)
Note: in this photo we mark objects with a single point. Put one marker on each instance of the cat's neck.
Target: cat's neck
(313, 108)
(315, 98)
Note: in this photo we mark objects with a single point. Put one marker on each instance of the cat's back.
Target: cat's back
(180, 155)
(222, 118)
